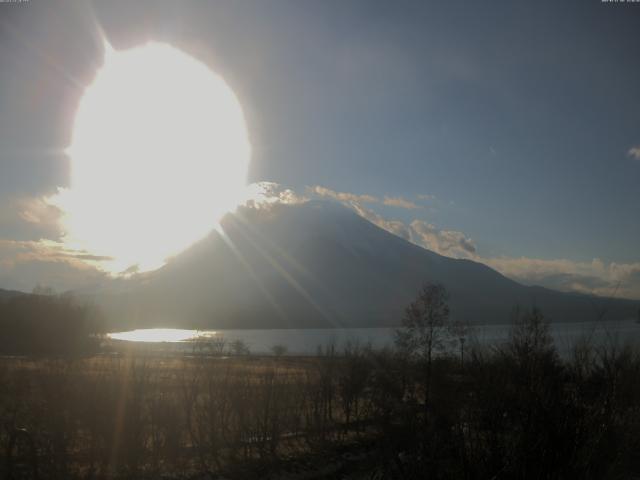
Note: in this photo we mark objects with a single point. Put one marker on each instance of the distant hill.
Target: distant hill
(319, 264)
(4, 294)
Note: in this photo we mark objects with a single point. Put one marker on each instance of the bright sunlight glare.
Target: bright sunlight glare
(157, 335)
(159, 154)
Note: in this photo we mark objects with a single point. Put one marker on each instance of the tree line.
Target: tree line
(44, 323)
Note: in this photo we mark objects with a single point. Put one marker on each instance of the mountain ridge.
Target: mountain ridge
(319, 264)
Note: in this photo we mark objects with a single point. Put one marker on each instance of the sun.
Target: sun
(159, 153)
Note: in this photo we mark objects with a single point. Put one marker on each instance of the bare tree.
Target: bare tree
(218, 344)
(239, 347)
(423, 328)
(279, 350)
(530, 334)
(459, 331)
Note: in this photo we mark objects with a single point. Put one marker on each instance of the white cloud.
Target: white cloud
(342, 196)
(353, 198)
(596, 276)
(634, 152)
(426, 197)
(270, 192)
(445, 242)
(400, 203)
(396, 227)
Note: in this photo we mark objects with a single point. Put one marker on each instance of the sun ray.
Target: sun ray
(238, 254)
(286, 275)
(290, 260)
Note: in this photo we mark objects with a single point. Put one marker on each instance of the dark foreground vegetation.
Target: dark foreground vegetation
(43, 323)
(514, 411)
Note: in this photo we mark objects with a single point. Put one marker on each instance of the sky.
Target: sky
(507, 132)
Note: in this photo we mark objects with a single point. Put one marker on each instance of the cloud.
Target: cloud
(596, 276)
(265, 193)
(29, 218)
(33, 253)
(426, 197)
(353, 198)
(634, 152)
(396, 227)
(342, 196)
(25, 264)
(445, 242)
(43, 250)
(400, 203)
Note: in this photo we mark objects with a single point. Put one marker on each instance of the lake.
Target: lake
(306, 341)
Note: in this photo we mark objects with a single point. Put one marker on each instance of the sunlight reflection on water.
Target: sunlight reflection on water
(306, 341)
(160, 335)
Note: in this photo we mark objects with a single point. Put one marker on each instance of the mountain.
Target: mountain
(319, 264)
